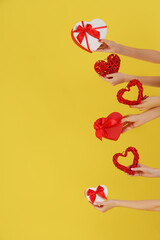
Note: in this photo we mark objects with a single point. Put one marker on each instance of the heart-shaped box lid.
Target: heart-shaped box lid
(98, 194)
(87, 34)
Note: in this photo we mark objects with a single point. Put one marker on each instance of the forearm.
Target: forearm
(142, 54)
(148, 205)
(157, 172)
(151, 114)
(153, 81)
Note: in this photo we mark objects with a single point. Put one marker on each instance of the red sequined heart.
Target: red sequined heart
(124, 168)
(108, 66)
(132, 83)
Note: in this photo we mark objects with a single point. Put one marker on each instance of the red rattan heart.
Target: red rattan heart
(108, 66)
(132, 83)
(122, 167)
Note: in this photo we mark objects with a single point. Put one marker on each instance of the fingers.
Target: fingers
(145, 97)
(138, 169)
(105, 79)
(96, 205)
(99, 204)
(137, 106)
(126, 128)
(141, 106)
(108, 80)
(104, 41)
(111, 75)
(141, 165)
(128, 118)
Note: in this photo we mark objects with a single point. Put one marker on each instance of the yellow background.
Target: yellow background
(49, 98)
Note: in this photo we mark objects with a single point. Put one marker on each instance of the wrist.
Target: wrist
(156, 172)
(129, 78)
(116, 203)
(117, 48)
(120, 49)
(158, 101)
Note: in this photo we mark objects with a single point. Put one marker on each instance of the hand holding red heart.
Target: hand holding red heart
(117, 78)
(133, 121)
(148, 103)
(144, 171)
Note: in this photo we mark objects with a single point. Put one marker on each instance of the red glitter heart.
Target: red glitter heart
(108, 66)
(124, 168)
(132, 83)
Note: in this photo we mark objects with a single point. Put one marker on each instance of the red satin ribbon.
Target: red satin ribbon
(92, 194)
(88, 29)
(103, 123)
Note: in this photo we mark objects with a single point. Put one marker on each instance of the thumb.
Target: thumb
(104, 41)
(138, 169)
(111, 75)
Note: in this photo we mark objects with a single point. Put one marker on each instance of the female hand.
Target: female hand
(147, 103)
(132, 121)
(107, 46)
(117, 78)
(105, 206)
(145, 171)
(148, 205)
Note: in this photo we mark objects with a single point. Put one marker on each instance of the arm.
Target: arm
(117, 78)
(144, 171)
(147, 205)
(153, 81)
(142, 54)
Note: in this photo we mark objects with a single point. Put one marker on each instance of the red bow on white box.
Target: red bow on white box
(87, 34)
(99, 192)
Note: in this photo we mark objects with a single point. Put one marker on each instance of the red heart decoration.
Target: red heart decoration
(112, 65)
(109, 127)
(132, 83)
(124, 168)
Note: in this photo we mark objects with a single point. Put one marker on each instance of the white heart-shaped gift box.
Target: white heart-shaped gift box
(87, 34)
(98, 198)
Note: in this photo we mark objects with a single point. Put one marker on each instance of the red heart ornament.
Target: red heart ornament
(108, 66)
(132, 83)
(124, 168)
(109, 127)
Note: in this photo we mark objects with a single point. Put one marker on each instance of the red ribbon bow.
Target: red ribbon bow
(102, 123)
(88, 29)
(92, 194)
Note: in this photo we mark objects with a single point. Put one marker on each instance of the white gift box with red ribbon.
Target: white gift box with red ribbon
(87, 34)
(98, 194)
